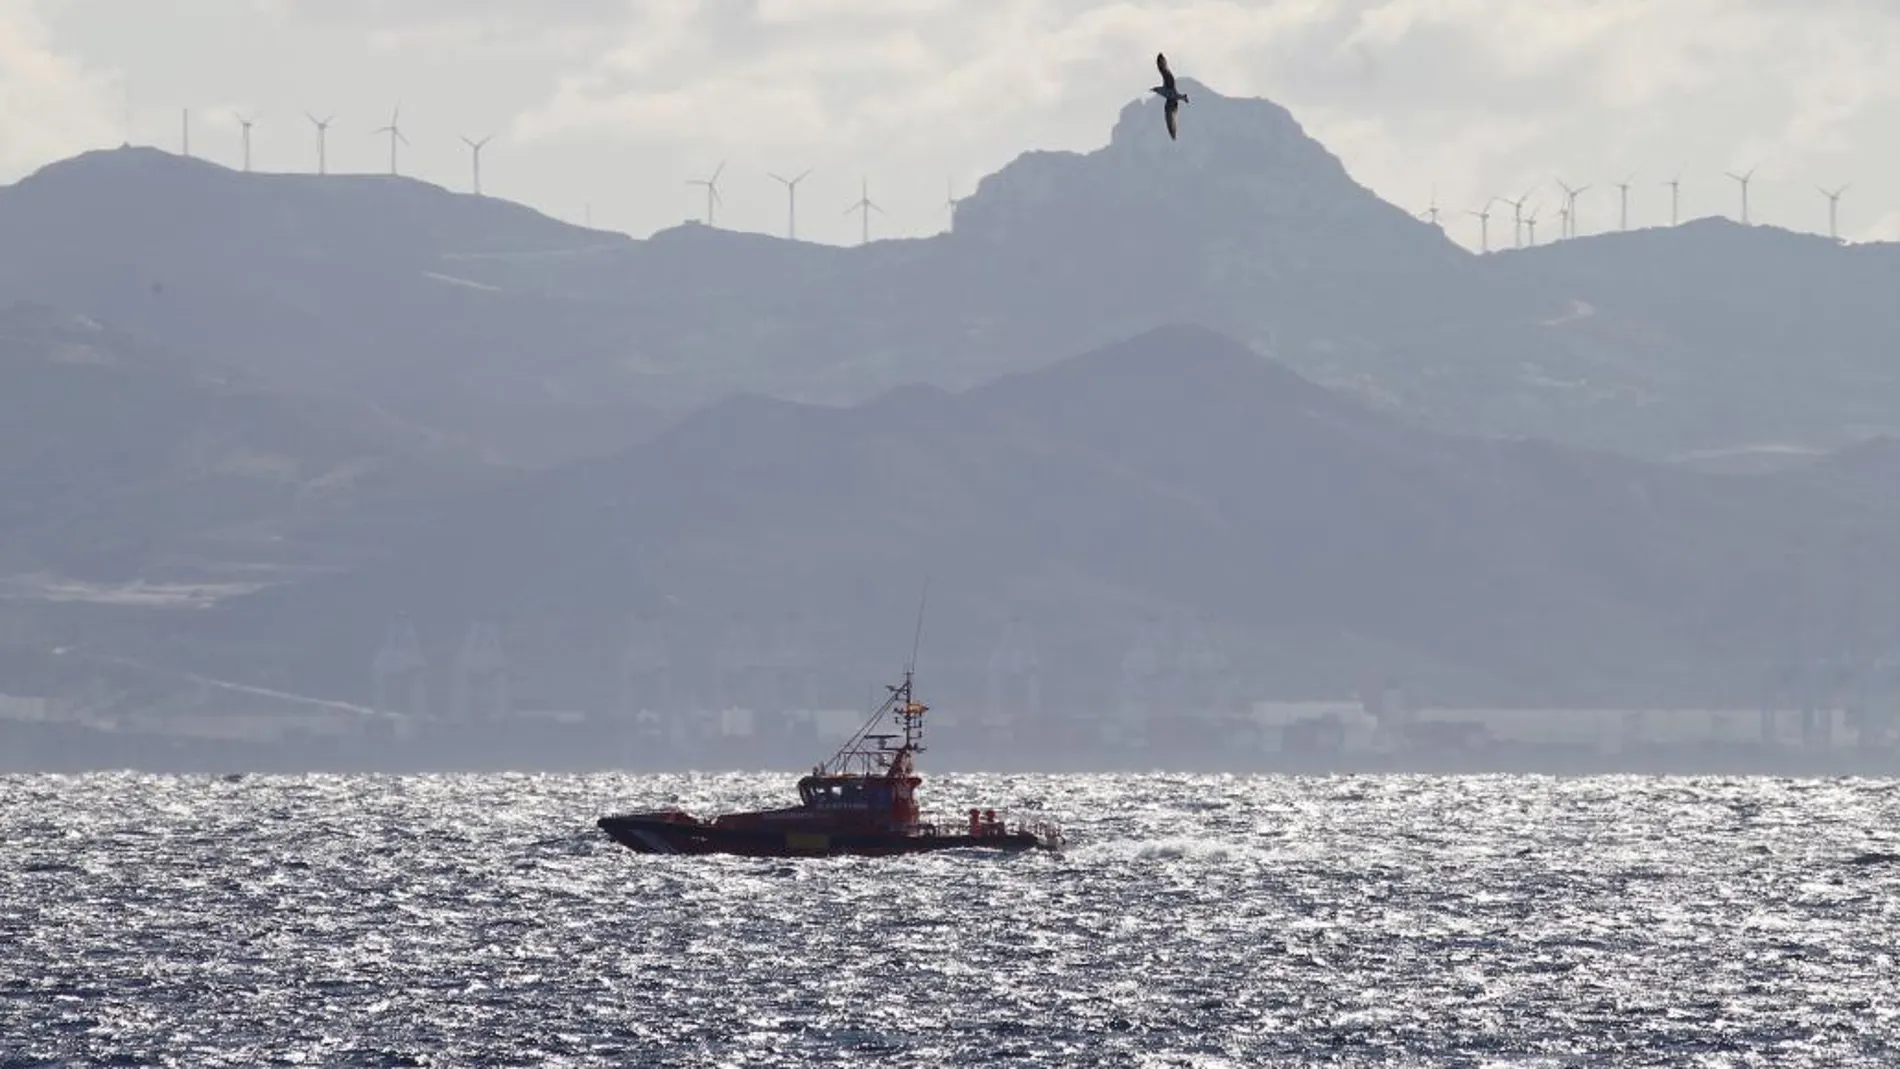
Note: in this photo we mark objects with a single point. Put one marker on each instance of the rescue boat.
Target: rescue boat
(862, 801)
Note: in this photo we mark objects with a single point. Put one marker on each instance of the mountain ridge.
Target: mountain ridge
(1316, 542)
(119, 456)
(547, 342)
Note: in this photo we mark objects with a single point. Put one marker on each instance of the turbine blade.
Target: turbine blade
(717, 170)
(801, 176)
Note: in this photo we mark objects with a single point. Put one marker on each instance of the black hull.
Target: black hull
(659, 836)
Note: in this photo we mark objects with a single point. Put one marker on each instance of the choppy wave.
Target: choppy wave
(1394, 920)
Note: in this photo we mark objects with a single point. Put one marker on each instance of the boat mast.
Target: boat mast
(910, 715)
(908, 712)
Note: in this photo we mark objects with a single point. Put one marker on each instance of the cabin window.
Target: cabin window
(823, 794)
(849, 794)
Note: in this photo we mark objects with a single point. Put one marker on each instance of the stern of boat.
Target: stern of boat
(1046, 833)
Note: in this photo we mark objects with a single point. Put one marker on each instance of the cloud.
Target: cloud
(486, 27)
(51, 105)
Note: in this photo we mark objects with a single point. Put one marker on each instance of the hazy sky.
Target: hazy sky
(616, 103)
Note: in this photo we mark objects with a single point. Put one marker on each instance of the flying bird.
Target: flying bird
(1167, 92)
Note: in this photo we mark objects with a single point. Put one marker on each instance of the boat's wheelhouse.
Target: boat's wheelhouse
(834, 793)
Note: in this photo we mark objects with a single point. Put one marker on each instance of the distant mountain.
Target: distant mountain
(1312, 542)
(1742, 335)
(545, 342)
(1246, 226)
(1250, 227)
(123, 459)
(345, 285)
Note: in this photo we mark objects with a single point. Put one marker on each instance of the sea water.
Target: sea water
(1344, 921)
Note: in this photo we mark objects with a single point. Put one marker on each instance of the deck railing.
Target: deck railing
(1046, 831)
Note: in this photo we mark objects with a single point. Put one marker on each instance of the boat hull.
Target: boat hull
(661, 835)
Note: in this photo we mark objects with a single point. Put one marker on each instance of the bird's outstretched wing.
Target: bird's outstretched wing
(1167, 76)
(1171, 109)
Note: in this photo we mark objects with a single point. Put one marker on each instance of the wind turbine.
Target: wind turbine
(244, 126)
(322, 125)
(712, 189)
(1623, 213)
(1530, 225)
(1570, 208)
(475, 156)
(866, 206)
(791, 202)
(1833, 206)
(950, 200)
(185, 134)
(1484, 224)
(1517, 218)
(1742, 179)
(395, 134)
(1431, 212)
(1675, 197)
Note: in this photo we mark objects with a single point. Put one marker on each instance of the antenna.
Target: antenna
(475, 152)
(1570, 208)
(185, 134)
(917, 639)
(1484, 224)
(1675, 197)
(244, 125)
(866, 206)
(1742, 179)
(712, 190)
(791, 203)
(323, 126)
(1833, 206)
(1623, 216)
(395, 134)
